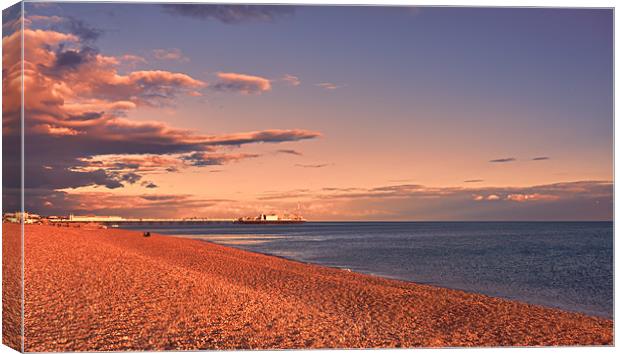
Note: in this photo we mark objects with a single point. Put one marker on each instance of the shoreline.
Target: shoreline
(117, 290)
(382, 276)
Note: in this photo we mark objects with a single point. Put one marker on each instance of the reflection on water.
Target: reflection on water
(235, 240)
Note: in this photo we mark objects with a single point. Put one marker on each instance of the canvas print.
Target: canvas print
(231, 176)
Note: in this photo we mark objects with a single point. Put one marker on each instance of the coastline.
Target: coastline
(534, 270)
(117, 290)
(387, 276)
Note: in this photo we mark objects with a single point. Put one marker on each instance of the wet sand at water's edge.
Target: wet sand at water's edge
(117, 290)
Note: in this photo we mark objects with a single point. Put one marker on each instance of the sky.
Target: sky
(330, 112)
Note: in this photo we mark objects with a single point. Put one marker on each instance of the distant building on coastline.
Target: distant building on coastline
(269, 217)
(272, 219)
(18, 217)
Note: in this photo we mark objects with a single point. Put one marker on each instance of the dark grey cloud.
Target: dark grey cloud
(71, 59)
(130, 177)
(506, 159)
(205, 159)
(59, 177)
(231, 14)
(86, 116)
(398, 188)
(540, 158)
(311, 166)
(473, 180)
(264, 136)
(159, 197)
(81, 29)
(236, 86)
(289, 152)
(339, 189)
(241, 83)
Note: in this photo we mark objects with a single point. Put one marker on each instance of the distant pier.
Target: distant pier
(144, 221)
(30, 218)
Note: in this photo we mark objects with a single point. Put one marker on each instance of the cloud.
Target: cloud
(132, 163)
(174, 54)
(130, 177)
(78, 103)
(106, 203)
(242, 83)
(506, 159)
(519, 197)
(312, 166)
(291, 80)
(231, 14)
(207, 159)
(72, 59)
(85, 32)
(580, 200)
(473, 180)
(328, 85)
(263, 136)
(289, 152)
(132, 59)
(541, 158)
(44, 19)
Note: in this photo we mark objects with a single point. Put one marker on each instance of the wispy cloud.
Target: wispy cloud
(329, 85)
(473, 180)
(84, 31)
(505, 159)
(289, 152)
(541, 158)
(242, 83)
(311, 165)
(44, 19)
(132, 59)
(261, 136)
(291, 80)
(208, 159)
(173, 54)
(231, 14)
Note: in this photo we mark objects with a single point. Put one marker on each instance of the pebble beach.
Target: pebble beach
(112, 290)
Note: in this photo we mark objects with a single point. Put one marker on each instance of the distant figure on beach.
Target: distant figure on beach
(147, 234)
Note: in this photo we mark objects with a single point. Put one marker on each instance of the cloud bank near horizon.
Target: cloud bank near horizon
(570, 201)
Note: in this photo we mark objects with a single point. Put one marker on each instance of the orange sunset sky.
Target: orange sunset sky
(335, 113)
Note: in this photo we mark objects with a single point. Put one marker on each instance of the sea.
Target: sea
(566, 265)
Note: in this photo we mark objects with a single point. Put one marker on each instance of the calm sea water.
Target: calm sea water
(568, 265)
